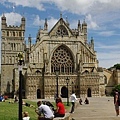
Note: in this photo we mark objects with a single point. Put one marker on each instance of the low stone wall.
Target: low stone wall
(66, 117)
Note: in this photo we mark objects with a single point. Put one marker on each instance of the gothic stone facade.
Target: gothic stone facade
(60, 48)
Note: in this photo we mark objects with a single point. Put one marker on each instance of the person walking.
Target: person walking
(116, 97)
(73, 100)
(45, 110)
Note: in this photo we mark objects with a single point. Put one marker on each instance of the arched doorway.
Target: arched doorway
(64, 92)
(89, 93)
(38, 93)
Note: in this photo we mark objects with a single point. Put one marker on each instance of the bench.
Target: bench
(66, 117)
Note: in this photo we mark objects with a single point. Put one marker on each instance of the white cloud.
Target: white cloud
(37, 21)
(12, 18)
(40, 22)
(101, 11)
(51, 22)
(108, 55)
(108, 59)
(26, 3)
(106, 33)
(91, 23)
(109, 47)
(74, 6)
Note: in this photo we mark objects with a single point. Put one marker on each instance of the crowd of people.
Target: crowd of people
(46, 110)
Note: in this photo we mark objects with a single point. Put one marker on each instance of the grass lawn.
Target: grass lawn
(9, 111)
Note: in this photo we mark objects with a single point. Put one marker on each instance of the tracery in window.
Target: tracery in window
(61, 31)
(62, 59)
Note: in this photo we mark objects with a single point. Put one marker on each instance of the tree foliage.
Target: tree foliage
(116, 87)
(116, 66)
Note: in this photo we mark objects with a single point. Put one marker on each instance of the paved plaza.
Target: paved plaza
(100, 108)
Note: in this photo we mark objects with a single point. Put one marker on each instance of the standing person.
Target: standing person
(60, 111)
(116, 97)
(73, 100)
(26, 116)
(45, 110)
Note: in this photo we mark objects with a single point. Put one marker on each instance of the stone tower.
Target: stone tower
(12, 42)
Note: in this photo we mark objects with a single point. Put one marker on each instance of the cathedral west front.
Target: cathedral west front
(61, 48)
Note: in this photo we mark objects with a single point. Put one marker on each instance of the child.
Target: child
(26, 116)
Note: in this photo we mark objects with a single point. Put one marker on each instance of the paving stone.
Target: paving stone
(100, 108)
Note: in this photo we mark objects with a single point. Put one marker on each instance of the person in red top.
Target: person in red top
(60, 111)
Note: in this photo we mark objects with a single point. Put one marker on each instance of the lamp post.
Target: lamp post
(57, 74)
(20, 63)
(67, 81)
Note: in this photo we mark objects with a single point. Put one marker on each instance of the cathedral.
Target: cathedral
(61, 49)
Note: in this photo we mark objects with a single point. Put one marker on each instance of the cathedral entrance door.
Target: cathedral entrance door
(64, 92)
(89, 93)
(38, 93)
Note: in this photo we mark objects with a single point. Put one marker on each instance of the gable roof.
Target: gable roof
(60, 22)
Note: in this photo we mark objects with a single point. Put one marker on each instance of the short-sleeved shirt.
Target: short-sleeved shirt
(73, 98)
(61, 107)
(46, 111)
(26, 118)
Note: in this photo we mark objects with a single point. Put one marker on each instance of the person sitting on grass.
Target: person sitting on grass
(16, 100)
(27, 104)
(26, 116)
(45, 111)
(60, 111)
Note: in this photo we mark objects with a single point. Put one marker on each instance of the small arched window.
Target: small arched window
(13, 33)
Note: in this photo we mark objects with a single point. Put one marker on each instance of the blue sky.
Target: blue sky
(102, 17)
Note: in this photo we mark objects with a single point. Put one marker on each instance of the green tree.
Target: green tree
(116, 87)
(116, 66)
